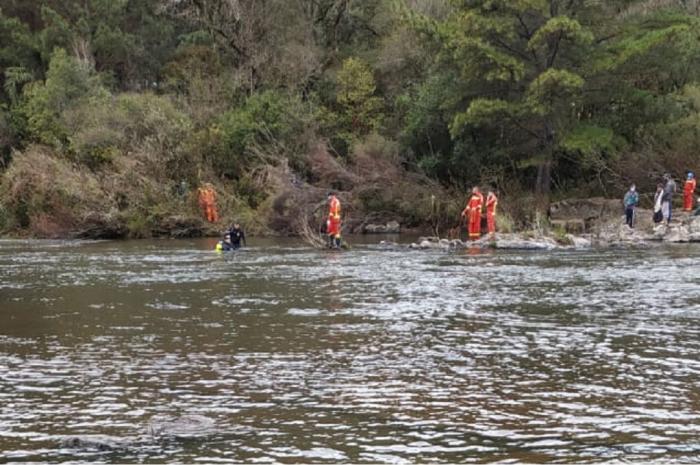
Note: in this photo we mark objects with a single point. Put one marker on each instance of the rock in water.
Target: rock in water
(186, 426)
(393, 227)
(97, 442)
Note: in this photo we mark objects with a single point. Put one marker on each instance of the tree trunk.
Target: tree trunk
(544, 178)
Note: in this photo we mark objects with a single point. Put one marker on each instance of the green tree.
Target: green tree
(68, 83)
(360, 108)
(539, 79)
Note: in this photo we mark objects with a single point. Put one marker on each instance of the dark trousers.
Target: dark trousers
(629, 216)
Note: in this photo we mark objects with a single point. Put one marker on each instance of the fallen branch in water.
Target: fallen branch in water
(308, 233)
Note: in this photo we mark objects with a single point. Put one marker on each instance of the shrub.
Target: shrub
(102, 128)
(40, 190)
(267, 126)
(68, 82)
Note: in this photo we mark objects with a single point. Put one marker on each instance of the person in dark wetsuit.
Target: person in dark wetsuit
(237, 236)
(225, 245)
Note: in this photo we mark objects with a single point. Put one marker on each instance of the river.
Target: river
(370, 355)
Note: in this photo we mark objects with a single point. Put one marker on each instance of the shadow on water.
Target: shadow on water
(161, 351)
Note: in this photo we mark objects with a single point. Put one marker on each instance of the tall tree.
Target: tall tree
(539, 78)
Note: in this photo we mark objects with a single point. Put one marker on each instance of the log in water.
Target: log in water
(162, 351)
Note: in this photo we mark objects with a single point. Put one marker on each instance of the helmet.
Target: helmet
(691, 175)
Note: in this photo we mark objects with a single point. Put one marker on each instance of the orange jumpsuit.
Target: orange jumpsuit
(333, 223)
(491, 203)
(473, 213)
(207, 202)
(688, 192)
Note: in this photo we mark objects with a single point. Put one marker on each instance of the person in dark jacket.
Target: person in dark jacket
(667, 199)
(237, 236)
(225, 245)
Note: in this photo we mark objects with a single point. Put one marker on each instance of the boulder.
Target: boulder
(580, 215)
(180, 226)
(186, 426)
(579, 242)
(97, 225)
(572, 226)
(392, 227)
(521, 242)
(694, 224)
(676, 233)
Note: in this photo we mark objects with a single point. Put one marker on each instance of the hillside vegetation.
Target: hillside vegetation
(113, 112)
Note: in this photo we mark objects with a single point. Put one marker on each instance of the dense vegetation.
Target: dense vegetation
(113, 112)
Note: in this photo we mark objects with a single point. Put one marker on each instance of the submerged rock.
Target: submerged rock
(185, 426)
(97, 442)
(522, 242)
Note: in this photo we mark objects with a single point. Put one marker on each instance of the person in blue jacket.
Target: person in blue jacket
(630, 202)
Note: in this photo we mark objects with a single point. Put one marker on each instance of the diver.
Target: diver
(237, 236)
(225, 245)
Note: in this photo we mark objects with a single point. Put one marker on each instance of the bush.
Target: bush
(102, 128)
(68, 82)
(47, 194)
(266, 127)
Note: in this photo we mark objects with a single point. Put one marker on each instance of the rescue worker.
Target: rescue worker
(237, 236)
(689, 191)
(333, 222)
(473, 213)
(491, 204)
(630, 202)
(225, 245)
(207, 202)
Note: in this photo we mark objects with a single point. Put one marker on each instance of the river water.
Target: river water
(371, 355)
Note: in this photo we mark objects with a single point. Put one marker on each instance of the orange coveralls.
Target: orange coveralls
(491, 203)
(333, 223)
(688, 192)
(473, 213)
(207, 202)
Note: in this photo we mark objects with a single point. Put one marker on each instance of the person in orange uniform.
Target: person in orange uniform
(491, 203)
(207, 202)
(333, 223)
(473, 213)
(689, 192)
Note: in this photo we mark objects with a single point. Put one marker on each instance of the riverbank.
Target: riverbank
(685, 228)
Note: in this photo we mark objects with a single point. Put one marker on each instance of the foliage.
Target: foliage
(68, 83)
(360, 108)
(256, 132)
(270, 98)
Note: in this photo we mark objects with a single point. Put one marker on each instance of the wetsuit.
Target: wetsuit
(223, 246)
(237, 236)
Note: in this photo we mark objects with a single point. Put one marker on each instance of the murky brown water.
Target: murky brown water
(372, 355)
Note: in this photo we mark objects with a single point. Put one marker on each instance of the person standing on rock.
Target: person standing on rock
(689, 192)
(630, 202)
(333, 222)
(491, 204)
(667, 199)
(658, 197)
(473, 213)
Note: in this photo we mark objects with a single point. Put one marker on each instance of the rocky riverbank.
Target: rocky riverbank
(615, 233)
